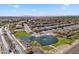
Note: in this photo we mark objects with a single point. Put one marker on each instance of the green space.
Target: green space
(35, 43)
(67, 40)
(21, 34)
(63, 41)
(46, 47)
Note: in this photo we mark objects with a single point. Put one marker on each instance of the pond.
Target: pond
(47, 40)
(43, 40)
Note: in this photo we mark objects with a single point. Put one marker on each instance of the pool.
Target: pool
(43, 40)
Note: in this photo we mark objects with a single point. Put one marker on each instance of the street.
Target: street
(5, 44)
(17, 46)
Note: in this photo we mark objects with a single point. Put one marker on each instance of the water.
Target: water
(43, 40)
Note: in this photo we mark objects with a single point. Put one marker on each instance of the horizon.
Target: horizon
(38, 16)
(39, 10)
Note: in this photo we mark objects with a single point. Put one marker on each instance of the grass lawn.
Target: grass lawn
(34, 43)
(21, 34)
(46, 48)
(63, 41)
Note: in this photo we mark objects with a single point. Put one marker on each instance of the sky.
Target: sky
(39, 9)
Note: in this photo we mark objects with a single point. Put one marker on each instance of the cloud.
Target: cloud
(65, 6)
(16, 6)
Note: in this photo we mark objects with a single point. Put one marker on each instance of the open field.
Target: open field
(21, 34)
(63, 41)
(46, 48)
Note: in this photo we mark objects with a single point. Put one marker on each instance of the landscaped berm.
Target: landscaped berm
(21, 34)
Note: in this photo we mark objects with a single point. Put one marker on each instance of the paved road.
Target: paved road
(5, 44)
(73, 50)
(17, 46)
(27, 29)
